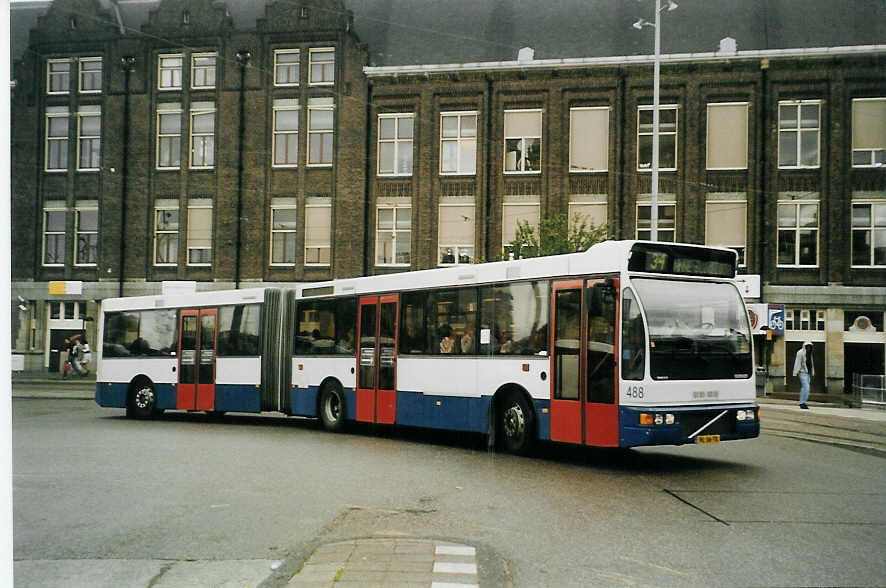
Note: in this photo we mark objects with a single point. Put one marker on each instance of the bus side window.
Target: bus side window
(413, 330)
(633, 339)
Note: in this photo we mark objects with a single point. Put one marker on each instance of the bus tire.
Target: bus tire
(142, 402)
(516, 424)
(332, 407)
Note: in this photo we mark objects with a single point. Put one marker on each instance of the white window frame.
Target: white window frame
(872, 228)
(161, 70)
(397, 142)
(460, 140)
(328, 246)
(708, 141)
(659, 229)
(50, 74)
(78, 231)
(192, 206)
(285, 105)
(201, 109)
(522, 162)
(55, 113)
(312, 108)
(536, 204)
(872, 151)
(799, 130)
(397, 209)
(650, 133)
(91, 73)
(47, 209)
(94, 111)
(205, 69)
(287, 234)
(288, 66)
(796, 230)
(158, 231)
(168, 109)
(456, 247)
(573, 168)
(742, 254)
(323, 65)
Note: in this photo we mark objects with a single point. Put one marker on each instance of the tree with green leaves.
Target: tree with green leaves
(555, 235)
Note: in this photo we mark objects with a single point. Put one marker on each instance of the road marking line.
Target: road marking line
(455, 550)
(442, 567)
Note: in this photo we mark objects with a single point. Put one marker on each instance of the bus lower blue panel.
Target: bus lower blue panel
(111, 395)
(543, 414)
(633, 434)
(415, 409)
(350, 404)
(237, 398)
(304, 401)
(166, 395)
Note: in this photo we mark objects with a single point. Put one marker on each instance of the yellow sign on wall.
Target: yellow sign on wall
(65, 287)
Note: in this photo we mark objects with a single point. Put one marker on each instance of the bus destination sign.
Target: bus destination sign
(668, 258)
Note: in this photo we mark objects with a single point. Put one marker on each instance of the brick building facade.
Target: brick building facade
(173, 142)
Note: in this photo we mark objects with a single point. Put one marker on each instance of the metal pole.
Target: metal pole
(655, 122)
(242, 59)
(128, 63)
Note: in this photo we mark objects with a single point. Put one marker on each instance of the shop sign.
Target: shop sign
(749, 285)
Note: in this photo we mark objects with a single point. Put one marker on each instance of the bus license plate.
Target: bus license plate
(707, 439)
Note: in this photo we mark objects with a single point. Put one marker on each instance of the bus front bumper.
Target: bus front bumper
(680, 425)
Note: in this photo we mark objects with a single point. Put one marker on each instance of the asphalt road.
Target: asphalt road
(187, 500)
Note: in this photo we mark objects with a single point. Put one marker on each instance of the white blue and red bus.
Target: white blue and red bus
(630, 343)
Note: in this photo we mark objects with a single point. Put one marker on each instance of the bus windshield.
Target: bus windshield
(697, 330)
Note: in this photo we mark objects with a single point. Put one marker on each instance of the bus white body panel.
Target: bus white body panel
(685, 393)
(238, 370)
(161, 370)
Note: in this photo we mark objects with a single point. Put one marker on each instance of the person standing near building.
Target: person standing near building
(805, 370)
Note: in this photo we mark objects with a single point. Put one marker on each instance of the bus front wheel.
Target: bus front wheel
(515, 424)
(142, 402)
(332, 408)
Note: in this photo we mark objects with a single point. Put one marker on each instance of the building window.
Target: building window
(58, 76)
(395, 144)
(90, 75)
(286, 67)
(202, 134)
(869, 234)
(286, 113)
(513, 213)
(798, 234)
(667, 137)
(456, 234)
(320, 120)
(797, 319)
(57, 138)
(200, 232)
(86, 229)
(89, 142)
(393, 235)
(522, 141)
(166, 235)
(169, 135)
(283, 225)
(667, 223)
(170, 72)
(798, 133)
(322, 66)
(588, 209)
(589, 139)
(727, 138)
(54, 234)
(458, 143)
(868, 132)
(726, 225)
(318, 231)
(203, 70)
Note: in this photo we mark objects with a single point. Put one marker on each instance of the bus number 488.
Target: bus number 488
(635, 392)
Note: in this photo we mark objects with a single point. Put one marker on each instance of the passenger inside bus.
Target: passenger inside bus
(447, 341)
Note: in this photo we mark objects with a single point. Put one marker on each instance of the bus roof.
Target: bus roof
(216, 297)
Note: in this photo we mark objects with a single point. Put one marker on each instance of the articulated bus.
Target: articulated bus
(631, 343)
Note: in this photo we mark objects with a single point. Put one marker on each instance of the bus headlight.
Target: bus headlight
(745, 415)
(659, 419)
(669, 419)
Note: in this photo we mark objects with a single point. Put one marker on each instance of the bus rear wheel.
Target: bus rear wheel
(142, 402)
(516, 424)
(332, 408)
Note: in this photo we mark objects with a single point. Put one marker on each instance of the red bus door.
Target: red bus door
(584, 382)
(377, 359)
(196, 359)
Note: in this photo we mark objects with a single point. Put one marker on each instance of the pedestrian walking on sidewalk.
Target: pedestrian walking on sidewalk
(805, 370)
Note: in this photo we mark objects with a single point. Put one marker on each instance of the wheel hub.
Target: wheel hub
(333, 408)
(144, 398)
(514, 421)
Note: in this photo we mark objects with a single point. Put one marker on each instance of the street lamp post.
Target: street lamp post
(656, 77)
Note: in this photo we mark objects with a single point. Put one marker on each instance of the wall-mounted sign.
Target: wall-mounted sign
(749, 285)
(60, 288)
(766, 318)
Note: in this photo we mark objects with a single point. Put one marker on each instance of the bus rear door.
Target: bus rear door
(196, 359)
(584, 383)
(377, 359)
